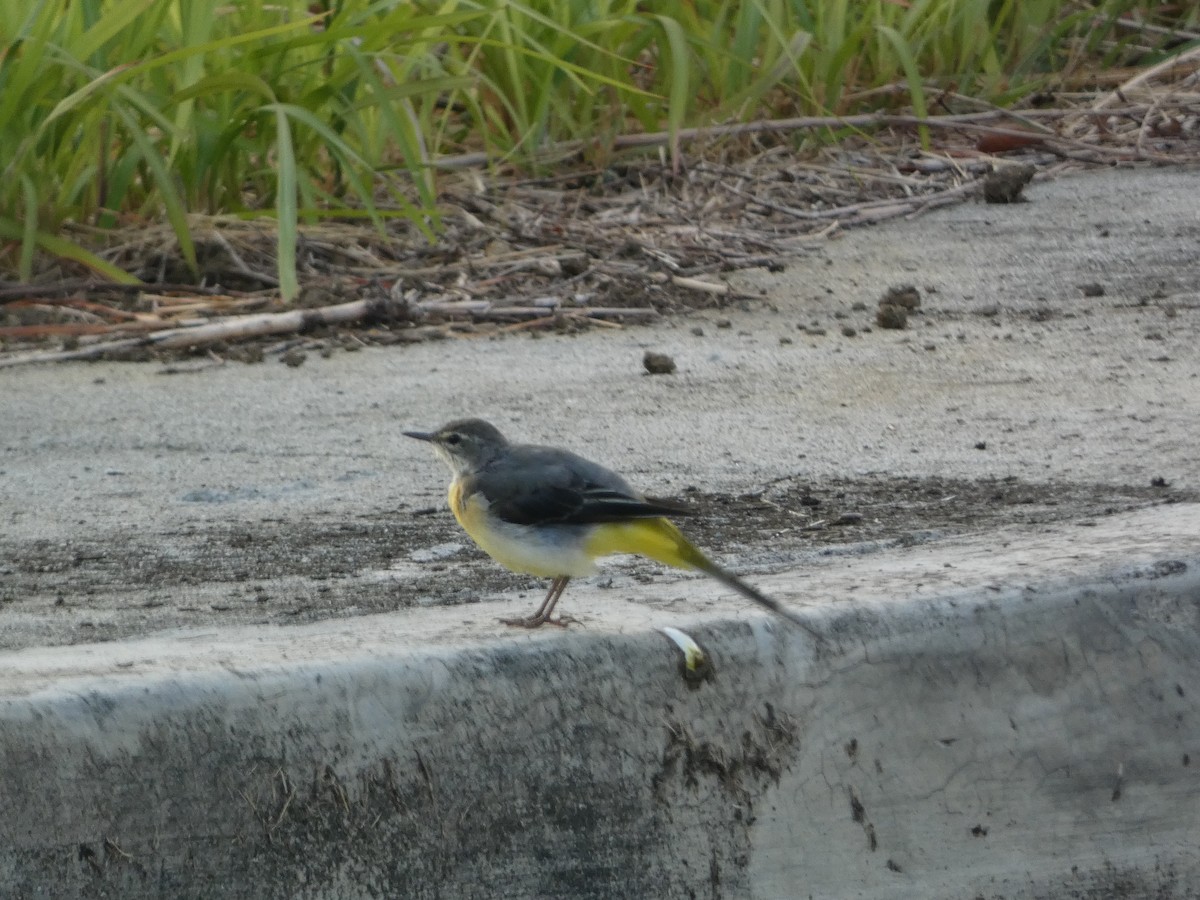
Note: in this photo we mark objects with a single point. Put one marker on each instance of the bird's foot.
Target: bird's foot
(536, 621)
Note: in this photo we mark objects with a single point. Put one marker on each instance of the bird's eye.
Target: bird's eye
(453, 439)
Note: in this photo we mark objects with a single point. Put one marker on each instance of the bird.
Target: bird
(549, 512)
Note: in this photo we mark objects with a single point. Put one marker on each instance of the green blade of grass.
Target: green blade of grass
(198, 20)
(29, 237)
(405, 131)
(680, 82)
(286, 202)
(916, 88)
(108, 26)
(65, 249)
(172, 201)
(350, 159)
(227, 81)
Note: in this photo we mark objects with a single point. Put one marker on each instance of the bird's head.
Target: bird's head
(466, 445)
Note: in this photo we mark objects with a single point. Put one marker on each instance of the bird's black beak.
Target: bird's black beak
(420, 435)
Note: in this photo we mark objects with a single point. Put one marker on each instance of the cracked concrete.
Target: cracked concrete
(244, 652)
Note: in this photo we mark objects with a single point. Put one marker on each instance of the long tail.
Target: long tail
(699, 561)
(660, 539)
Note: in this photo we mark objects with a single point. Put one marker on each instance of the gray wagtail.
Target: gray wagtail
(548, 512)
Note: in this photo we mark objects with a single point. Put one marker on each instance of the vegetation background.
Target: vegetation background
(119, 114)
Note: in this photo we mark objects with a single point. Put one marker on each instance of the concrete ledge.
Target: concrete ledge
(1010, 716)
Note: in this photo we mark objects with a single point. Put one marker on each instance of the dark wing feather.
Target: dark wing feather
(543, 486)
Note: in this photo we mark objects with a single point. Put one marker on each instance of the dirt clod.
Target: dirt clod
(891, 316)
(1005, 185)
(658, 363)
(904, 295)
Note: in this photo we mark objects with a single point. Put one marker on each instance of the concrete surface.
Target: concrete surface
(983, 721)
(1008, 714)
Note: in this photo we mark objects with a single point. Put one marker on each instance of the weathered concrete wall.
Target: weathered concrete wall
(1031, 732)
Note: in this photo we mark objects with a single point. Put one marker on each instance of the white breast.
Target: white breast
(547, 551)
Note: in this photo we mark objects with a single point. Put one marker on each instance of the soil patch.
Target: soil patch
(113, 586)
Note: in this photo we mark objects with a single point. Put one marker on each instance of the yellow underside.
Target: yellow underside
(552, 552)
(656, 538)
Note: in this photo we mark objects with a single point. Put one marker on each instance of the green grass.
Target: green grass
(120, 112)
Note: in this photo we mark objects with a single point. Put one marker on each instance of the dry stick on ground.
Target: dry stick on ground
(547, 253)
(484, 311)
(874, 210)
(870, 120)
(10, 292)
(75, 304)
(240, 264)
(212, 332)
(697, 284)
(917, 206)
(301, 320)
(1190, 59)
(568, 315)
